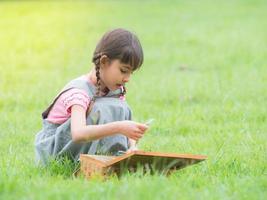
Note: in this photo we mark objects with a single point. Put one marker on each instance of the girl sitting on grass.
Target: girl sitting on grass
(90, 114)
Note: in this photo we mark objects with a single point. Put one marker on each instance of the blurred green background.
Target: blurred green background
(204, 81)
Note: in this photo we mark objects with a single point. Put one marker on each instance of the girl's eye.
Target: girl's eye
(123, 71)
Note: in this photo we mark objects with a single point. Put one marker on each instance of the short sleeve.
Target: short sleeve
(75, 97)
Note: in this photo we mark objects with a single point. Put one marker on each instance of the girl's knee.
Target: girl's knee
(113, 144)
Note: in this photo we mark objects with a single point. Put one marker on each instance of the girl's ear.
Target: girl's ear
(104, 61)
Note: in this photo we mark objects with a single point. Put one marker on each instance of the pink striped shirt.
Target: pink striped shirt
(61, 111)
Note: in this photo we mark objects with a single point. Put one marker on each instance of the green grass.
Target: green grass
(204, 80)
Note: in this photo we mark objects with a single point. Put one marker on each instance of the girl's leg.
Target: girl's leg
(106, 111)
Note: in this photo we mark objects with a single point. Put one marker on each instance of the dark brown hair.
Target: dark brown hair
(118, 44)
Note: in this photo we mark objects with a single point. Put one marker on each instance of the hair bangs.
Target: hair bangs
(133, 57)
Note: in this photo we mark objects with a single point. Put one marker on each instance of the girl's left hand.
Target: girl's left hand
(132, 148)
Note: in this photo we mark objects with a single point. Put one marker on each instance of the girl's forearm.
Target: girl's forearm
(132, 142)
(93, 132)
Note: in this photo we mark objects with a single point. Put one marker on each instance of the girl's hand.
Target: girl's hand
(131, 129)
(132, 148)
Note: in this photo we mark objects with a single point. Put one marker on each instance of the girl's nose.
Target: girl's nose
(126, 79)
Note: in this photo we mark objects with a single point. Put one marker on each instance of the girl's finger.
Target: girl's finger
(134, 137)
(138, 131)
(141, 131)
(143, 127)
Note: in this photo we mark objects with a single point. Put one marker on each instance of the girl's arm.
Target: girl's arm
(84, 133)
(132, 143)
(133, 146)
(80, 131)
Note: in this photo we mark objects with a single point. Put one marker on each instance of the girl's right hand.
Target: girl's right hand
(131, 129)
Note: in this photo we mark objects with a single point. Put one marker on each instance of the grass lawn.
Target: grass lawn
(204, 81)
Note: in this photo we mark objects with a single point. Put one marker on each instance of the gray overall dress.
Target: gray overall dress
(54, 140)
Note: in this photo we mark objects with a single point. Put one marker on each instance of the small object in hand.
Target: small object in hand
(149, 122)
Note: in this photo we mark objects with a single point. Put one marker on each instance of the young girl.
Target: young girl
(90, 114)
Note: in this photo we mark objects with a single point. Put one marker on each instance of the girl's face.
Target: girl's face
(115, 74)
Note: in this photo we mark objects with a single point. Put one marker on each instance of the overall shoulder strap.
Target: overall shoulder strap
(76, 83)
